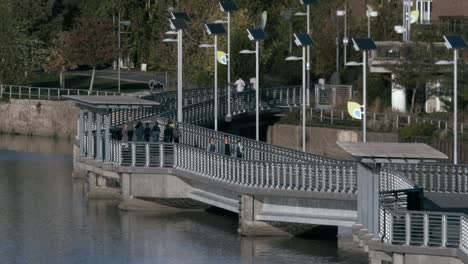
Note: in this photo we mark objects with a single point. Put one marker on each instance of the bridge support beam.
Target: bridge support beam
(249, 207)
(368, 197)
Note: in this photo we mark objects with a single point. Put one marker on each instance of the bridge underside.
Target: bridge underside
(255, 206)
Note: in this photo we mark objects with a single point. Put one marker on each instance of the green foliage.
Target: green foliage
(420, 131)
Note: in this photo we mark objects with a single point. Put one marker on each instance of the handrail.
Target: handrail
(428, 229)
(316, 177)
(44, 93)
(445, 178)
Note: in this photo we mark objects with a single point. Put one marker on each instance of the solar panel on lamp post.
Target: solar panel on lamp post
(364, 45)
(228, 7)
(307, 3)
(256, 35)
(178, 25)
(215, 29)
(455, 43)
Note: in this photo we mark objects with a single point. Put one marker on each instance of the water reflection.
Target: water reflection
(46, 218)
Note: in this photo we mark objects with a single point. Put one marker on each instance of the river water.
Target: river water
(46, 218)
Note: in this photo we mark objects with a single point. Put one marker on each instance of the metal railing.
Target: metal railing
(42, 93)
(444, 178)
(315, 177)
(391, 180)
(385, 120)
(428, 229)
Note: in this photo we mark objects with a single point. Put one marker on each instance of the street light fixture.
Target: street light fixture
(370, 12)
(228, 7)
(215, 29)
(364, 45)
(303, 40)
(455, 43)
(256, 35)
(344, 13)
(178, 25)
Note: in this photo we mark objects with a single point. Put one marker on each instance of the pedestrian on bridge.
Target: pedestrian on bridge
(240, 85)
(226, 148)
(176, 134)
(239, 150)
(147, 133)
(155, 132)
(211, 146)
(129, 128)
(139, 131)
(169, 132)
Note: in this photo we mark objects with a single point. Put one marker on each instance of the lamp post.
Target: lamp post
(364, 45)
(345, 31)
(305, 41)
(215, 30)
(256, 35)
(178, 25)
(228, 7)
(455, 43)
(125, 23)
(307, 3)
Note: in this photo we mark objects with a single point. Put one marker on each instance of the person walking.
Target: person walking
(169, 132)
(155, 132)
(226, 147)
(147, 133)
(239, 151)
(139, 131)
(176, 134)
(211, 146)
(129, 128)
(240, 85)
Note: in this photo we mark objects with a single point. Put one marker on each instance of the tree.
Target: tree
(90, 43)
(58, 59)
(416, 68)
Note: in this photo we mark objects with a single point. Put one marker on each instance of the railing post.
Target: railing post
(147, 156)
(426, 230)
(120, 154)
(161, 155)
(29, 92)
(407, 228)
(390, 228)
(133, 154)
(444, 231)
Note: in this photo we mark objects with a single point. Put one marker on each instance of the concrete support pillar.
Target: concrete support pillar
(92, 180)
(125, 185)
(89, 127)
(398, 258)
(248, 226)
(98, 136)
(81, 132)
(107, 137)
(398, 97)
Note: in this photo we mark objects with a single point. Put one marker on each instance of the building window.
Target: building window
(425, 11)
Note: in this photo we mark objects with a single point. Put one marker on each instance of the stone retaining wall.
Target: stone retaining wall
(39, 118)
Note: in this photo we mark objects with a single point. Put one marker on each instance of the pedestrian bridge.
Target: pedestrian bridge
(269, 184)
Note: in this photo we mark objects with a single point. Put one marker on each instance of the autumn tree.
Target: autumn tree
(58, 59)
(90, 43)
